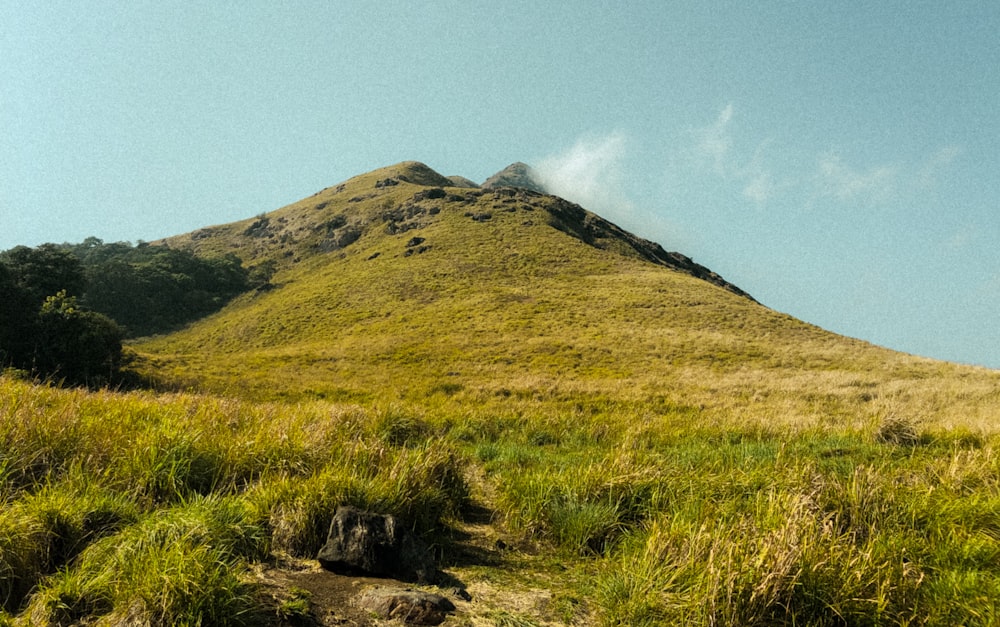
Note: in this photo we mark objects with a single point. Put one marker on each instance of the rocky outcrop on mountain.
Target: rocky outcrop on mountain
(516, 175)
(594, 230)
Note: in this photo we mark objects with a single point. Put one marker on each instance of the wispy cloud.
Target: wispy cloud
(760, 188)
(714, 149)
(590, 173)
(748, 166)
(839, 180)
(927, 176)
(962, 238)
(715, 143)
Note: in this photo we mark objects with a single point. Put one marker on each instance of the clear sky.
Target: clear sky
(838, 160)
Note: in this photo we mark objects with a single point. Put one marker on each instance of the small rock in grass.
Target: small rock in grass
(411, 606)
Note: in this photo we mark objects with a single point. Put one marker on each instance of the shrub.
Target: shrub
(896, 430)
(175, 567)
(42, 532)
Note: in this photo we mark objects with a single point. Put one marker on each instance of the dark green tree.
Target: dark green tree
(42, 327)
(76, 345)
(44, 271)
(153, 289)
(27, 277)
(64, 309)
(16, 315)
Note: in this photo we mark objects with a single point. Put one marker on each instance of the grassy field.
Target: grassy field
(584, 437)
(155, 509)
(145, 509)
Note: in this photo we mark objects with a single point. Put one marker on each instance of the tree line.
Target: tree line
(66, 308)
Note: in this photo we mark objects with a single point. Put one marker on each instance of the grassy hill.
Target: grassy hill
(394, 286)
(390, 281)
(589, 429)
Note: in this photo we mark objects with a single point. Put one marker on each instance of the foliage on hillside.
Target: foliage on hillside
(154, 289)
(43, 330)
(67, 307)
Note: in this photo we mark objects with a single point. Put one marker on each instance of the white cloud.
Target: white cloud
(714, 149)
(760, 188)
(590, 173)
(750, 167)
(961, 239)
(839, 180)
(715, 142)
(759, 182)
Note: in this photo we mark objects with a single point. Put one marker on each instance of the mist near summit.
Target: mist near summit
(590, 173)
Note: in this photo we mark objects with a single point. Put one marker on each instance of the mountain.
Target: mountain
(322, 223)
(398, 280)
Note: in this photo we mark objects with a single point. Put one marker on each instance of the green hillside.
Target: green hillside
(589, 430)
(392, 281)
(393, 285)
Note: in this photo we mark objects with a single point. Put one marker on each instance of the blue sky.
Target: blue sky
(838, 160)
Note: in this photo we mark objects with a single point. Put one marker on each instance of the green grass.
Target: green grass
(490, 306)
(670, 520)
(149, 509)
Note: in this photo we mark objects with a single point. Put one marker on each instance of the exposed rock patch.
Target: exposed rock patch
(367, 543)
(433, 192)
(337, 234)
(418, 250)
(259, 228)
(405, 217)
(410, 606)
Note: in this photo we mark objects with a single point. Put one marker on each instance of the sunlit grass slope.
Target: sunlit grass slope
(394, 283)
(150, 510)
(143, 509)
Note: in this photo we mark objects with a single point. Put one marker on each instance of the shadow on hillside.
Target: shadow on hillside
(473, 542)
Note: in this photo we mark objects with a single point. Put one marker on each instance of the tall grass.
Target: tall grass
(180, 566)
(152, 509)
(736, 526)
(144, 509)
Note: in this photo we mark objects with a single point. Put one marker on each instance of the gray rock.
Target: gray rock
(516, 175)
(366, 543)
(411, 606)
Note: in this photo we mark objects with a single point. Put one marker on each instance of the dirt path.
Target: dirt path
(479, 576)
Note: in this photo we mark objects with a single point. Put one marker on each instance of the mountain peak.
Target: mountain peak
(414, 172)
(384, 203)
(516, 175)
